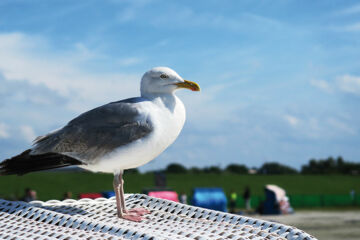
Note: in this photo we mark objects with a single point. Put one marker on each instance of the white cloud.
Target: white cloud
(349, 84)
(322, 84)
(28, 133)
(34, 60)
(293, 121)
(319, 126)
(4, 130)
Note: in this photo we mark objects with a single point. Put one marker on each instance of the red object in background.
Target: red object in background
(168, 195)
(90, 195)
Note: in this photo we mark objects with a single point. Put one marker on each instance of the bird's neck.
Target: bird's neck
(167, 99)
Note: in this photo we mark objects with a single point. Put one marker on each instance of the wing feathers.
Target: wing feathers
(97, 132)
(25, 163)
(88, 137)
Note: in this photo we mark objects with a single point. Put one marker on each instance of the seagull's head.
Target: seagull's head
(160, 80)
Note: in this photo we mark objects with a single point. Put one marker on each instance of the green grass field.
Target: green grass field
(52, 185)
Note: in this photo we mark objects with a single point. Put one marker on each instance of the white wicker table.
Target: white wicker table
(96, 219)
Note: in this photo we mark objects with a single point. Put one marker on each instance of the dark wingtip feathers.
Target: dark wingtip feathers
(25, 163)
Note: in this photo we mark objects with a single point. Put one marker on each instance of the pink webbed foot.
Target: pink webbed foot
(138, 211)
(131, 217)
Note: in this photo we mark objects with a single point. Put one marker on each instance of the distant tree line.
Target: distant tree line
(232, 168)
(320, 166)
(331, 166)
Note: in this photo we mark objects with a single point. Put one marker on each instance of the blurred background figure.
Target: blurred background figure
(160, 179)
(67, 195)
(183, 198)
(353, 196)
(285, 207)
(233, 199)
(30, 195)
(247, 197)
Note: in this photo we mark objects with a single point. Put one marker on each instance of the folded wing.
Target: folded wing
(85, 139)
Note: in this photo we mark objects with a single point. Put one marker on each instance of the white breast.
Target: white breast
(167, 123)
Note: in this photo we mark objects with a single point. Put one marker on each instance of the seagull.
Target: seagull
(114, 137)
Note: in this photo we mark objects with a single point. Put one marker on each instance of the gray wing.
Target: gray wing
(97, 132)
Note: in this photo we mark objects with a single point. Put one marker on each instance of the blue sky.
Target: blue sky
(280, 79)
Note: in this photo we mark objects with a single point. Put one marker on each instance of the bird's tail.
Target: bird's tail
(25, 163)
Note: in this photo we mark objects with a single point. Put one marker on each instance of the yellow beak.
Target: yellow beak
(193, 86)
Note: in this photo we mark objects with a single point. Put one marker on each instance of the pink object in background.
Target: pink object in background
(168, 195)
(90, 195)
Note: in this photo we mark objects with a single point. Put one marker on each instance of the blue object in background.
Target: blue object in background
(108, 194)
(211, 198)
(270, 205)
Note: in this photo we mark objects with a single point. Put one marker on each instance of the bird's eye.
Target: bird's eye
(164, 76)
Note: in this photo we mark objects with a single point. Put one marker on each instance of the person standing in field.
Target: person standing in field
(246, 196)
(233, 199)
(67, 195)
(30, 195)
(183, 198)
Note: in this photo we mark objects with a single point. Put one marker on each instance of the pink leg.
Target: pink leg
(117, 195)
(121, 190)
(136, 211)
(120, 204)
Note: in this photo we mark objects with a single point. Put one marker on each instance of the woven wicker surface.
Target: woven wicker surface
(96, 219)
